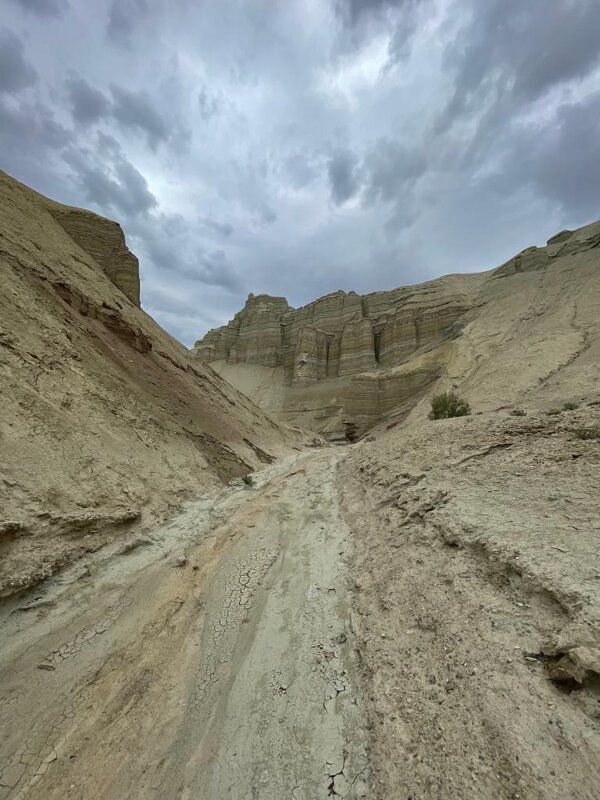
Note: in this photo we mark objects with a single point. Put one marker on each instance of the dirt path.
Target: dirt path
(213, 659)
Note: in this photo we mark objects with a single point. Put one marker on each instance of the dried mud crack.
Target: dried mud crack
(215, 662)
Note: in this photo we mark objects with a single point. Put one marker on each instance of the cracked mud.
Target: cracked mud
(234, 676)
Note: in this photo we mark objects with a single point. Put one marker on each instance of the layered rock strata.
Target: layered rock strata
(104, 241)
(342, 334)
(101, 239)
(345, 362)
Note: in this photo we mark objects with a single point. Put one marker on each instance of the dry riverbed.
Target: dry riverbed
(415, 617)
(214, 659)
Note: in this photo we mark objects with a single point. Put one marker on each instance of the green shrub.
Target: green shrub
(248, 480)
(588, 433)
(447, 405)
(517, 412)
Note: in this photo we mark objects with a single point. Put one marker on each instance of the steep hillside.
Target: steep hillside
(477, 572)
(105, 420)
(345, 362)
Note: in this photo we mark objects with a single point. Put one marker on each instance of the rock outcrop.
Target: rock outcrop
(106, 421)
(343, 362)
(104, 241)
(342, 334)
(335, 354)
(98, 237)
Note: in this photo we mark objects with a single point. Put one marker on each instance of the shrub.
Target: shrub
(447, 405)
(588, 433)
(517, 412)
(248, 480)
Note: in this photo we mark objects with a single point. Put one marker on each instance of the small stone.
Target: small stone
(49, 667)
(179, 561)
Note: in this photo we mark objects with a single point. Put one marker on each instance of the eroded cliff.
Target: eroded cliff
(345, 362)
(106, 421)
(342, 334)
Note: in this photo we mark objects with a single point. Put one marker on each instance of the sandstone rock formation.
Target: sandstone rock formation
(343, 362)
(100, 238)
(341, 334)
(104, 241)
(106, 421)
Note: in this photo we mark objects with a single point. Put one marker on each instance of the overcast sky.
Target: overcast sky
(297, 147)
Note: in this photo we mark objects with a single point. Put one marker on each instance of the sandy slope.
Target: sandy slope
(416, 616)
(477, 545)
(233, 676)
(106, 422)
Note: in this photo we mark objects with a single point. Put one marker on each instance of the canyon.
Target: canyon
(204, 595)
(107, 421)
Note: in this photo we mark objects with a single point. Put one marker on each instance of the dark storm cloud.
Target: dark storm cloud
(135, 110)
(124, 189)
(43, 8)
(32, 142)
(300, 170)
(567, 167)
(87, 103)
(213, 268)
(199, 264)
(406, 24)
(123, 17)
(189, 263)
(360, 144)
(510, 53)
(109, 180)
(266, 215)
(392, 168)
(30, 130)
(15, 71)
(343, 174)
(399, 19)
(561, 165)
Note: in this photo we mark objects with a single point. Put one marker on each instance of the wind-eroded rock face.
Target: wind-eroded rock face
(342, 334)
(100, 238)
(334, 356)
(344, 362)
(104, 241)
